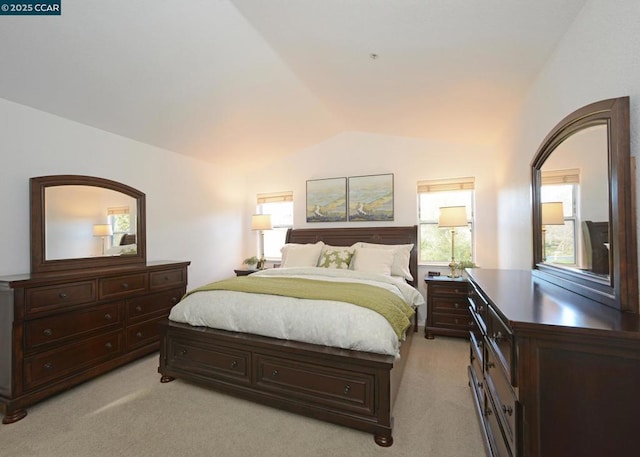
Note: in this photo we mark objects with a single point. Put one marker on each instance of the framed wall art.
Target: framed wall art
(327, 200)
(371, 198)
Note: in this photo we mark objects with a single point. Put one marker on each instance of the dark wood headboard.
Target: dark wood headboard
(348, 236)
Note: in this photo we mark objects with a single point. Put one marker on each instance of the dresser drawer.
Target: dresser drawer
(69, 325)
(67, 360)
(220, 362)
(451, 305)
(454, 321)
(497, 441)
(476, 364)
(43, 299)
(344, 389)
(143, 334)
(459, 290)
(142, 308)
(501, 340)
(504, 398)
(168, 278)
(122, 285)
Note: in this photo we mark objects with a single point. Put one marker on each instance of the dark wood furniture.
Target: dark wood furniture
(244, 272)
(351, 388)
(596, 235)
(60, 329)
(619, 288)
(78, 315)
(553, 373)
(41, 189)
(447, 308)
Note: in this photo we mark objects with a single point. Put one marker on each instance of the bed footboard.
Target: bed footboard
(350, 388)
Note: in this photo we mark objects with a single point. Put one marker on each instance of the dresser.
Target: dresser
(553, 374)
(59, 329)
(447, 308)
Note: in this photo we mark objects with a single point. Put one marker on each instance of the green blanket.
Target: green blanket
(393, 308)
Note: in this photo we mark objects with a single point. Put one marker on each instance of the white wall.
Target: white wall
(597, 59)
(410, 160)
(194, 209)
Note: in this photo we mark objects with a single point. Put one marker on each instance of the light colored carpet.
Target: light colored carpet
(129, 413)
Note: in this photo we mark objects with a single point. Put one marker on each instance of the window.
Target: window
(435, 242)
(560, 241)
(280, 206)
(120, 221)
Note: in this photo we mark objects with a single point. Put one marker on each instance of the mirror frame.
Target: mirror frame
(39, 263)
(620, 290)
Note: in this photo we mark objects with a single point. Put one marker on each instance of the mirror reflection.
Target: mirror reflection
(574, 196)
(88, 221)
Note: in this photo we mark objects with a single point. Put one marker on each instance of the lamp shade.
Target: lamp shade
(552, 213)
(453, 216)
(261, 222)
(102, 230)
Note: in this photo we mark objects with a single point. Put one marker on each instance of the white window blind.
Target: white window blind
(446, 185)
(569, 176)
(275, 197)
(117, 210)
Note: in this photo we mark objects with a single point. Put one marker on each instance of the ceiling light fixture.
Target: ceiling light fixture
(373, 56)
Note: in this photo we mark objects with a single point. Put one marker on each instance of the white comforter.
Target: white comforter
(329, 323)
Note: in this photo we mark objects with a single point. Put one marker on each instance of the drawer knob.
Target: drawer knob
(457, 321)
(456, 305)
(234, 364)
(480, 384)
(62, 295)
(47, 332)
(274, 373)
(498, 336)
(183, 352)
(108, 317)
(347, 389)
(480, 309)
(166, 278)
(124, 285)
(48, 366)
(138, 308)
(139, 334)
(490, 364)
(108, 345)
(507, 410)
(488, 412)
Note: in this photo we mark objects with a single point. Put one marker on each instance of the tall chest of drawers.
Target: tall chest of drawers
(552, 373)
(60, 329)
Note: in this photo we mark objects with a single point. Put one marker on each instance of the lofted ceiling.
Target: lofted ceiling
(244, 82)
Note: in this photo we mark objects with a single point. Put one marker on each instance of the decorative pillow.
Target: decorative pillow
(336, 257)
(301, 255)
(372, 261)
(401, 257)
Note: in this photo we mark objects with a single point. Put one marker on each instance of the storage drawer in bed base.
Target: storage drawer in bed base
(349, 388)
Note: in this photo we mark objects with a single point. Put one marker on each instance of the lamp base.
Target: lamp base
(453, 274)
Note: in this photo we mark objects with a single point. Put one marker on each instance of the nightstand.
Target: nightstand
(244, 272)
(447, 307)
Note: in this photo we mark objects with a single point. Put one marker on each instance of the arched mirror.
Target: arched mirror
(85, 222)
(584, 235)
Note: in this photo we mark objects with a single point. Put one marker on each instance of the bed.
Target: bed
(346, 386)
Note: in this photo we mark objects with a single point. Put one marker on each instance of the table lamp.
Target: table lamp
(261, 222)
(452, 217)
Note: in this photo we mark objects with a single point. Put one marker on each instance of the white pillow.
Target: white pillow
(401, 257)
(301, 255)
(372, 261)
